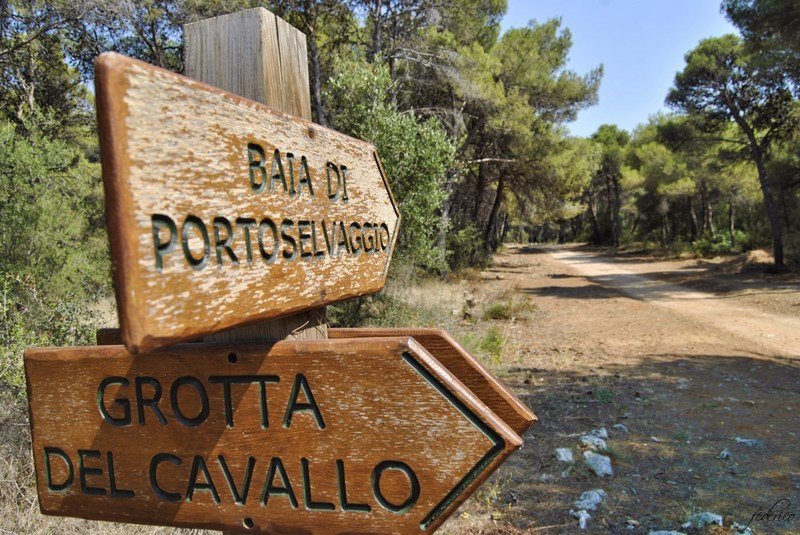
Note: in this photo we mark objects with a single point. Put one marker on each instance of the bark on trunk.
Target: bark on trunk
(491, 227)
(480, 187)
(596, 238)
(377, 32)
(316, 82)
(731, 221)
(692, 221)
(772, 213)
(616, 218)
(757, 151)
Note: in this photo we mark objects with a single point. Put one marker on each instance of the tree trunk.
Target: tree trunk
(491, 227)
(596, 238)
(480, 186)
(316, 82)
(616, 225)
(772, 213)
(444, 221)
(692, 220)
(757, 152)
(712, 231)
(731, 224)
(377, 33)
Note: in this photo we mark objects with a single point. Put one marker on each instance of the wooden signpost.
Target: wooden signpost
(224, 213)
(370, 436)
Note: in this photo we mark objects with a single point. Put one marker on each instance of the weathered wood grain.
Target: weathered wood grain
(458, 361)
(258, 56)
(392, 441)
(273, 50)
(178, 152)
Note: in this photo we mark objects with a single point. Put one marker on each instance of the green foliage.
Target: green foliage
(381, 310)
(488, 345)
(771, 29)
(722, 84)
(51, 214)
(509, 309)
(465, 248)
(54, 261)
(415, 153)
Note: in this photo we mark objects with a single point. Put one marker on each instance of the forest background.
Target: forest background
(470, 124)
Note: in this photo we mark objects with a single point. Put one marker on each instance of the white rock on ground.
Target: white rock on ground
(621, 427)
(594, 442)
(749, 442)
(665, 532)
(564, 455)
(599, 464)
(582, 517)
(724, 454)
(701, 520)
(741, 530)
(600, 433)
(590, 499)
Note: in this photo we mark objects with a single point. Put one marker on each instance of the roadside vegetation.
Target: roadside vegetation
(470, 126)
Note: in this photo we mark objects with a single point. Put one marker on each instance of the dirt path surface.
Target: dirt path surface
(778, 334)
(699, 392)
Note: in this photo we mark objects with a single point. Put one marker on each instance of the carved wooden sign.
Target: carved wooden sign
(480, 381)
(331, 436)
(222, 212)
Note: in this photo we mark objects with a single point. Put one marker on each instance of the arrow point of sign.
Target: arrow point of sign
(503, 439)
(382, 171)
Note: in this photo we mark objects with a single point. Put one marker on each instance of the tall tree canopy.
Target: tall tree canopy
(771, 28)
(722, 82)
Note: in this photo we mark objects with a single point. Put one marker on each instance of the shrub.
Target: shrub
(415, 153)
(466, 248)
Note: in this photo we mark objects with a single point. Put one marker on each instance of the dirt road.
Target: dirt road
(778, 334)
(693, 372)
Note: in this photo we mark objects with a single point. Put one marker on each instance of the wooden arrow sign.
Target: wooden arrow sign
(464, 366)
(222, 212)
(339, 436)
(444, 348)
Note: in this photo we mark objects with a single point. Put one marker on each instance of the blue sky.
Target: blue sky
(641, 44)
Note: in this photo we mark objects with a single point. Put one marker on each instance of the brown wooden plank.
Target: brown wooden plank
(244, 53)
(384, 407)
(458, 361)
(178, 152)
(274, 51)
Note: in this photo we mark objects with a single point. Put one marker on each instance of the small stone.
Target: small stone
(701, 520)
(666, 532)
(593, 442)
(724, 454)
(600, 433)
(564, 455)
(545, 478)
(655, 439)
(749, 442)
(741, 530)
(621, 427)
(590, 499)
(582, 517)
(632, 524)
(599, 464)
